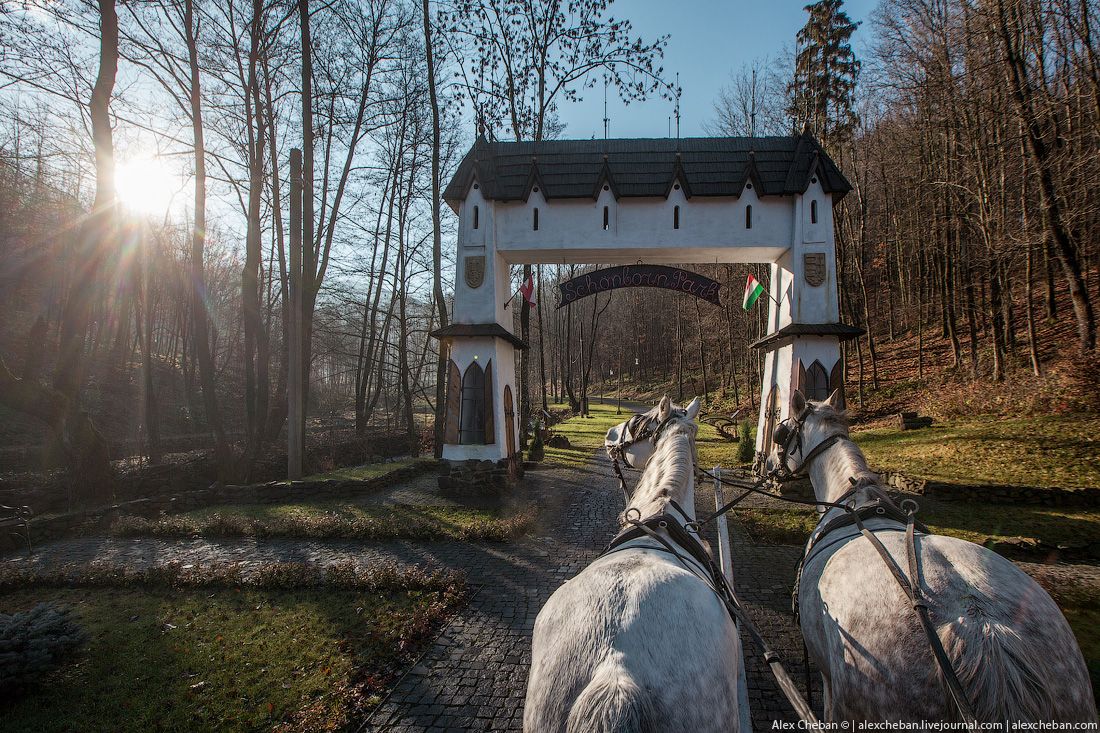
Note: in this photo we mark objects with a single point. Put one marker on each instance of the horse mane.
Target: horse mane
(668, 470)
(832, 416)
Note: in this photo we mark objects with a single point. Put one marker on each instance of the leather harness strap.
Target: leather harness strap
(880, 507)
(678, 533)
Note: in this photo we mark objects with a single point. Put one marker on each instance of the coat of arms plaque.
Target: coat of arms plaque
(475, 271)
(813, 266)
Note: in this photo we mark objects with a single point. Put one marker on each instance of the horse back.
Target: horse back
(1010, 646)
(634, 642)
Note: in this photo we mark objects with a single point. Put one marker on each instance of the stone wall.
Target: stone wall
(992, 493)
(51, 527)
(197, 470)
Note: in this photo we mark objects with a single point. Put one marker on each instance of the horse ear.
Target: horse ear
(664, 409)
(798, 403)
(693, 408)
(834, 399)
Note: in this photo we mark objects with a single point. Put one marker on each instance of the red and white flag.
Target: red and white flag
(528, 290)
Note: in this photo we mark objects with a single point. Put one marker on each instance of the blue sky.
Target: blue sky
(709, 39)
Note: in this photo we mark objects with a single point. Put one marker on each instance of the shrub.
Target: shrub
(34, 642)
(536, 452)
(746, 448)
(271, 575)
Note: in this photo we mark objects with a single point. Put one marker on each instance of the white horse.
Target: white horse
(637, 641)
(1009, 645)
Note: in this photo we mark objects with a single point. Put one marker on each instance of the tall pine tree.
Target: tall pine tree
(823, 89)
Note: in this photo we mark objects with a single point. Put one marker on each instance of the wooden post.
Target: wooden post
(722, 528)
(295, 428)
(726, 561)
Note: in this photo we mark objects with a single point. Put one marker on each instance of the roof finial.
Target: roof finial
(752, 114)
(679, 91)
(606, 119)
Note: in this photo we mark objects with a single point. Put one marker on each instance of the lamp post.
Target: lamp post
(619, 392)
(295, 403)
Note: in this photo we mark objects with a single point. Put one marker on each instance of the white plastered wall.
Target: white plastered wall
(800, 302)
(711, 230)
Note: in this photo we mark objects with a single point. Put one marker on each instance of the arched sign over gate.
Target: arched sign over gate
(639, 276)
(664, 202)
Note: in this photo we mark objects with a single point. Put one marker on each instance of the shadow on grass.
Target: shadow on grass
(241, 659)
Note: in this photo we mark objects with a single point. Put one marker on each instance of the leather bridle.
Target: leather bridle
(648, 428)
(789, 438)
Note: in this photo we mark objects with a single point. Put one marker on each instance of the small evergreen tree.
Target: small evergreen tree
(536, 452)
(822, 92)
(746, 449)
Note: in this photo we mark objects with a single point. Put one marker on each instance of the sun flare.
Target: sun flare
(146, 186)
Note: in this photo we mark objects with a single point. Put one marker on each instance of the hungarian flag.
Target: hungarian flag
(753, 290)
(528, 290)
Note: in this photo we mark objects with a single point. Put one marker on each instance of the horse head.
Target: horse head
(633, 441)
(811, 424)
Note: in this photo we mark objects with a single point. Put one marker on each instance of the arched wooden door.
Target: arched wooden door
(509, 421)
(772, 419)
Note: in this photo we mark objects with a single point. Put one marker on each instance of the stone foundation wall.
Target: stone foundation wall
(478, 481)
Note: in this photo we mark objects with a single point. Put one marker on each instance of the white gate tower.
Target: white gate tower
(657, 201)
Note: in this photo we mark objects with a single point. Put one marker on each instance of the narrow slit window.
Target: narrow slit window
(748, 216)
(535, 220)
(813, 211)
(676, 217)
(475, 218)
(606, 219)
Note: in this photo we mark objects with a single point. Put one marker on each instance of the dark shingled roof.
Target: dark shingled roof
(841, 330)
(479, 329)
(707, 166)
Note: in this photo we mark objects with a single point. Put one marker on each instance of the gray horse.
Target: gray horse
(1009, 644)
(637, 641)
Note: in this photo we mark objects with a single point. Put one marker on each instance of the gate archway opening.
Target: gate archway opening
(660, 202)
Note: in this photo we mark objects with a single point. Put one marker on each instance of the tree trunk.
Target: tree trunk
(199, 316)
(437, 247)
(1042, 159)
(85, 449)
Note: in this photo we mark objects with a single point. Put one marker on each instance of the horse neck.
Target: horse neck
(669, 474)
(831, 472)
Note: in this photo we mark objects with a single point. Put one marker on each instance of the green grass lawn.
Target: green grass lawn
(984, 524)
(1085, 621)
(1043, 450)
(335, 520)
(586, 434)
(234, 659)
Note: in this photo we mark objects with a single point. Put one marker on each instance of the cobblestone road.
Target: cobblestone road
(474, 676)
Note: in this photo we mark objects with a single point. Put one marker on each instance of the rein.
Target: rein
(882, 506)
(680, 534)
(686, 536)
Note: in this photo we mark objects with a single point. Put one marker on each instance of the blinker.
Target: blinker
(782, 434)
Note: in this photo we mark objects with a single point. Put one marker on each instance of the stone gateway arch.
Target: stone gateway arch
(658, 201)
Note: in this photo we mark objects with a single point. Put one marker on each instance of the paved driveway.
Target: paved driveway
(474, 676)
